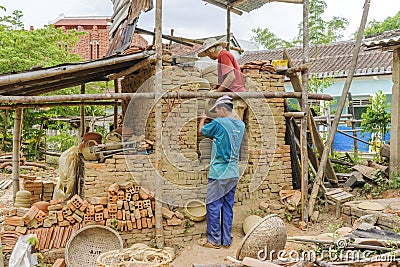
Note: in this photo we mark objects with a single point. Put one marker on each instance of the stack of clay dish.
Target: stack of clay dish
(23, 199)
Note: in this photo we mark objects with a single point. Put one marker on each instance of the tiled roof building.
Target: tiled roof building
(95, 43)
(331, 59)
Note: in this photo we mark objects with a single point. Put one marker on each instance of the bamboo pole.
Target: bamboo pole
(127, 96)
(16, 150)
(353, 123)
(342, 100)
(305, 110)
(82, 109)
(116, 90)
(159, 186)
(132, 69)
(228, 25)
(57, 104)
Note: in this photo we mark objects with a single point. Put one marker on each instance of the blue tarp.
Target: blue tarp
(345, 143)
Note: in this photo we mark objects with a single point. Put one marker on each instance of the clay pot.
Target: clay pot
(87, 153)
(249, 222)
(195, 210)
(113, 141)
(92, 136)
(42, 205)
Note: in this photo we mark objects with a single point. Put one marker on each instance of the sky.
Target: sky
(196, 19)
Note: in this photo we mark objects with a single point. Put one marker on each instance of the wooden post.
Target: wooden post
(116, 90)
(353, 123)
(395, 118)
(82, 108)
(228, 25)
(170, 41)
(16, 150)
(158, 127)
(304, 109)
(342, 100)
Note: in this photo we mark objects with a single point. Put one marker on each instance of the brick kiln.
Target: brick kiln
(118, 192)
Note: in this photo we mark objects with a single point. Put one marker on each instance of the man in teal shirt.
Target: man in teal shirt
(227, 133)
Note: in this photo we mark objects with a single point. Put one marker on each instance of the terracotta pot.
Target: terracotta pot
(42, 205)
(92, 136)
(195, 210)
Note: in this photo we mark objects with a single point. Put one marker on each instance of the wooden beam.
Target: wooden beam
(116, 90)
(228, 26)
(180, 40)
(215, 3)
(294, 79)
(306, 110)
(341, 103)
(289, 1)
(57, 104)
(82, 109)
(128, 96)
(132, 69)
(395, 117)
(159, 181)
(16, 150)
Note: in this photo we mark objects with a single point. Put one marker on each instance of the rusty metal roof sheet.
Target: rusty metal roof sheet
(332, 59)
(46, 80)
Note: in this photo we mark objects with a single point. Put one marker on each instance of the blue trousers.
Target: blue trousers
(220, 200)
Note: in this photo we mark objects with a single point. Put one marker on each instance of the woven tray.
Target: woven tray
(88, 243)
(267, 235)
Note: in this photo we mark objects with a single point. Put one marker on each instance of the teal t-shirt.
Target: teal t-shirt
(227, 134)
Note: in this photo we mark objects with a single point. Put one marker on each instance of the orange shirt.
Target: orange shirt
(226, 64)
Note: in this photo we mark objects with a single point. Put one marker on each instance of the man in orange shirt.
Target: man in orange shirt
(230, 78)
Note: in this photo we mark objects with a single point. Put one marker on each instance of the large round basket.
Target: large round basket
(267, 235)
(88, 243)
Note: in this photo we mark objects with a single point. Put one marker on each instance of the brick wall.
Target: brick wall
(265, 167)
(94, 44)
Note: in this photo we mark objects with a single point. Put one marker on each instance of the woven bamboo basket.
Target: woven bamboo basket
(267, 235)
(88, 243)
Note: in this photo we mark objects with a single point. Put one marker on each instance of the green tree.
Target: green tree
(376, 119)
(376, 27)
(321, 31)
(21, 50)
(268, 39)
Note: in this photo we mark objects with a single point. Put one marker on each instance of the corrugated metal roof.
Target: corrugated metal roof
(332, 59)
(247, 6)
(46, 80)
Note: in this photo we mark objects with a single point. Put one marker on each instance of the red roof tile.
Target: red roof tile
(330, 59)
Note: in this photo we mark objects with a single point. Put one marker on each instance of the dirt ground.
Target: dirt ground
(193, 253)
(190, 252)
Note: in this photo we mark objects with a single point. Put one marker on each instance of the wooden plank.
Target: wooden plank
(294, 79)
(349, 196)
(6, 184)
(335, 196)
(334, 191)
